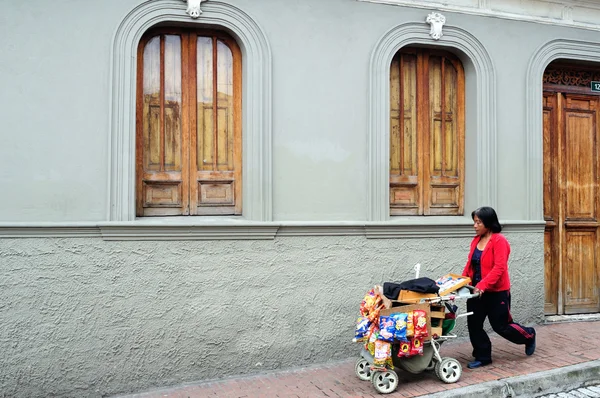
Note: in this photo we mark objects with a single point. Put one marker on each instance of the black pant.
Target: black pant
(495, 306)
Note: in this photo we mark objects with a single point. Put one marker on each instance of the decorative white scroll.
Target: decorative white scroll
(193, 8)
(437, 21)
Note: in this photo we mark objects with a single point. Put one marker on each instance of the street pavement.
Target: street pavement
(567, 358)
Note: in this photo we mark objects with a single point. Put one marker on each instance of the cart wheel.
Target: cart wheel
(384, 382)
(363, 369)
(449, 370)
(436, 369)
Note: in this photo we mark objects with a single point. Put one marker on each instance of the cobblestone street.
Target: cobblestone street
(585, 392)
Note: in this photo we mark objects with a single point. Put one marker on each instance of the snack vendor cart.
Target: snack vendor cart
(440, 314)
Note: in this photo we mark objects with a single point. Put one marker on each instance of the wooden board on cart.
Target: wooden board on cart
(409, 297)
(454, 283)
(408, 308)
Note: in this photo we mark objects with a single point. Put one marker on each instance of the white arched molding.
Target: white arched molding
(555, 49)
(257, 109)
(378, 201)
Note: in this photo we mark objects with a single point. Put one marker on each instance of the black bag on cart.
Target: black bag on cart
(391, 290)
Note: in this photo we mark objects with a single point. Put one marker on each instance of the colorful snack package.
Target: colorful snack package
(367, 303)
(389, 361)
(371, 347)
(410, 329)
(371, 305)
(400, 326)
(416, 347)
(373, 338)
(404, 349)
(362, 328)
(420, 323)
(387, 328)
(383, 351)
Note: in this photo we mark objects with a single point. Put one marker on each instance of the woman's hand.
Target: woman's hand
(477, 292)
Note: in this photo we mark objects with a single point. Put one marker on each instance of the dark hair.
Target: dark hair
(488, 217)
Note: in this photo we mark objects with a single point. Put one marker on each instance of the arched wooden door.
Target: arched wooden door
(571, 184)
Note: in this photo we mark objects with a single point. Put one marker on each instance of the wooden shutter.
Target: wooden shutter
(405, 162)
(161, 167)
(444, 176)
(216, 159)
(188, 125)
(426, 133)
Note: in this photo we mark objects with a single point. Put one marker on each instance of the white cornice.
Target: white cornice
(573, 13)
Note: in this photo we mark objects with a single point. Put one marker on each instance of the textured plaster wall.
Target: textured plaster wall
(86, 317)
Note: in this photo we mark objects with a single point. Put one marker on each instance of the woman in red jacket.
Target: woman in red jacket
(487, 267)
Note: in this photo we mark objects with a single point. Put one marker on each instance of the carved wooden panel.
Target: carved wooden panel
(157, 194)
(444, 196)
(216, 192)
(569, 76)
(407, 196)
(162, 198)
(580, 277)
(580, 165)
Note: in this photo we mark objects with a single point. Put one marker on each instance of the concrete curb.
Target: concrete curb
(532, 385)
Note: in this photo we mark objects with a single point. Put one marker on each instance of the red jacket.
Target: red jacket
(494, 264)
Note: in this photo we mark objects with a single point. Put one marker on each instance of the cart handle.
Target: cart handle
(468, 296)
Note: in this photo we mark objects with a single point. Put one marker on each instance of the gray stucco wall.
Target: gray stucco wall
(87, 317)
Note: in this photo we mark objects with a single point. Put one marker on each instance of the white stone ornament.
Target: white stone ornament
(437, 21)
(193, 8)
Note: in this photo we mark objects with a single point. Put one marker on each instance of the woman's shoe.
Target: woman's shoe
(530, 348)
(477, 364)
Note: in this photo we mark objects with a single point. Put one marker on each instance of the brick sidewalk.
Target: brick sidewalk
(558, 345)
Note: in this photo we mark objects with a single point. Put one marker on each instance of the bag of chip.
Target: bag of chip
(416, 347)
(387, 328)
(362, 328)
(410, 329)
(383, 352)
(400, 326)
(371, 305)
(374, 336)
(371, 347)
(404, 349)
(420, 323)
